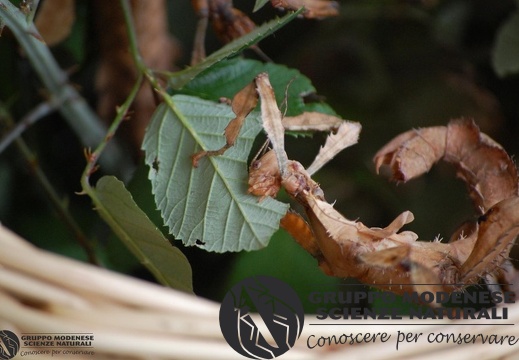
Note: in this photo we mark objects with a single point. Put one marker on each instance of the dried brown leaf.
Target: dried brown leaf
(425, 280)
(347, 134)
(312, 121)
(486, 168)
(272, 119)
(386, 258)
(314, 9)
(412, 153)
(299, 229)
(242, 104)
(54, 20)
(482, 163)
(117, 74)
(497, 230)
(228, 22)
(264, 176)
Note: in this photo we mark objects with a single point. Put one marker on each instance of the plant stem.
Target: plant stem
(32, 13)
(74, 108)
(58, 203)
(93, 157)
(40, 176)
(134, 47)
(32, 117)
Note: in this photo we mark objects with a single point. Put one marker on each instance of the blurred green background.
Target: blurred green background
(391, 65)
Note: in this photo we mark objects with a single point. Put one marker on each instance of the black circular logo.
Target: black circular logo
(277, 324)
(9, 344)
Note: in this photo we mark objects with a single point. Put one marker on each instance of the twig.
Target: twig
(134, 49)
(49, 190)
(74, 108)
(93, 157)
(58, 204)
(32, 117)
(32, 13)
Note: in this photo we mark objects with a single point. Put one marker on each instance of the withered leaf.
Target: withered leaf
(425, 279)
(299, 229)
(311, 121)
(242, 104)
(264, 176)
(383, 257)
(272, 119)
(228, 22)
(54, 20)
(412, 153)
(314, 9)
(404, 218)
(390, 257)
(495, 238)
(486, 168)
(347, 134)
(117, 73)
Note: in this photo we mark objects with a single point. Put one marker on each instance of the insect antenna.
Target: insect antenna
(262, 150)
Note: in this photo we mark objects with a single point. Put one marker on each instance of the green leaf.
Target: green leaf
(206, 206)
(505, 57)
(179, 79)
(167, 263)
(230, 76)
(259, 4)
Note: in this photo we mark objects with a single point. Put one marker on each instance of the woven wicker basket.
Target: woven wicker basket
(42, 292)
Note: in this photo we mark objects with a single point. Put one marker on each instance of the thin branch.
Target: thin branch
(55, 200)
(93, 157)
(80, 117)
(33, 8)
(40, 111)
(134, 47)
(58, 204)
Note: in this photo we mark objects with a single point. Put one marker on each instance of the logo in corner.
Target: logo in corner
(9, 344)
(277, 321)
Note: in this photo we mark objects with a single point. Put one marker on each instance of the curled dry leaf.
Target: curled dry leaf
(242, 104)
(392, 259)
(54, 20)
(312, 121)
(498, 229)
(382, 257)
(272, 119)
(299, 229)
(347, 135)
(483, 164)
(264, 176)
(314, 9)
(228, 22)
(117, 74)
